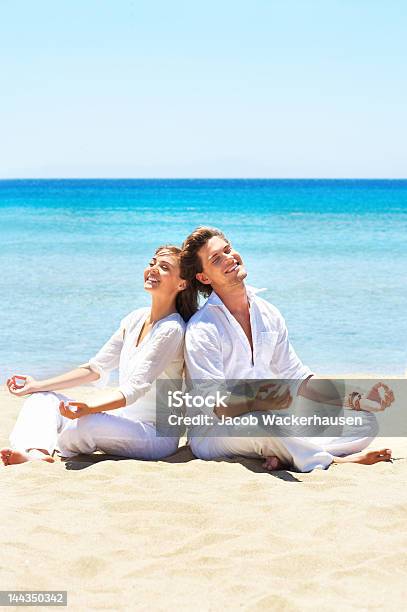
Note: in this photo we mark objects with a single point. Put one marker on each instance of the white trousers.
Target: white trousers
(305, 454)
(40, 425)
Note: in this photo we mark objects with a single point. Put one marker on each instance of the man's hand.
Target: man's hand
(74, 410)
(377, 399)
(272, 396)
(22, 385)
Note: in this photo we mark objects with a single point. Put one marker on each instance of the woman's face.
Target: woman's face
(162, 274)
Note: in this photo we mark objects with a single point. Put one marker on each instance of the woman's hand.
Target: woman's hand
(22, 385)
(74, 410)
(377, 399)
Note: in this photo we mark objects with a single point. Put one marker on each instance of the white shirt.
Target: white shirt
(217, 349)
(159, 354)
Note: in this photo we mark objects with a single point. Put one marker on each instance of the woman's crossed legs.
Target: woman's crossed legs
(41, 429)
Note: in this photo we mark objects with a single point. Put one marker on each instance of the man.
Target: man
(237, 335)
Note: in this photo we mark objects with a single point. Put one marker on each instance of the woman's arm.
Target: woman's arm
(24, 385)
(161, 350)
(74, 410)
(99, 366)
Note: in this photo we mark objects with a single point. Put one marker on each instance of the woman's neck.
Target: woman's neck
(161, 309)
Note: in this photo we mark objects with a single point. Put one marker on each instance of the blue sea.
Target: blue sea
(331, 253)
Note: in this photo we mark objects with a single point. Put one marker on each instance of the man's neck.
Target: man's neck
(236, 301)
(234, 298)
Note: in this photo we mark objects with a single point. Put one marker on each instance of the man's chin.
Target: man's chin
(241, 275)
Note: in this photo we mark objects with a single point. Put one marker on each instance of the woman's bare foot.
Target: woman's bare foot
(368, 458)
(10, 456)
(272, 463)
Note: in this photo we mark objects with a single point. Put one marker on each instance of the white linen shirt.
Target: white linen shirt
(159, 354)
(217, 349)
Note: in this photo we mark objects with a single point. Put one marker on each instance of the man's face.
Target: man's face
(222, 266)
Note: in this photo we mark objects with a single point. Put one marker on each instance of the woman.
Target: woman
(148, 345)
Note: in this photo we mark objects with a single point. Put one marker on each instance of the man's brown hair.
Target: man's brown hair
(191, 263)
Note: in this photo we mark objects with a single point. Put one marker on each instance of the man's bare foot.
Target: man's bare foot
(272, 463)
(10, 456)
(368, 458)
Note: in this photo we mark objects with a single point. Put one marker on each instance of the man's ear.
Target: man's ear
(182, 285)
(202, 278)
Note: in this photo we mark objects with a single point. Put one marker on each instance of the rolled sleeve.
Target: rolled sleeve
(107, 358)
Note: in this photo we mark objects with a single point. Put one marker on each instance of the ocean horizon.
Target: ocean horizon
(330, 253)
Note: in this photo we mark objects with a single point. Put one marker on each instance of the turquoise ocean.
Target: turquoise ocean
(331, 253)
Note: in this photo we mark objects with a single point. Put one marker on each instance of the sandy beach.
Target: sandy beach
(134, 535)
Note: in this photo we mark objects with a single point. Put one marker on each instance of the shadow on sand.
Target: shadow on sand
(183, 455)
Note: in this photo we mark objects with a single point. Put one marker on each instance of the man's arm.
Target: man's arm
(288, 366)
(285, 361)
(379, 397)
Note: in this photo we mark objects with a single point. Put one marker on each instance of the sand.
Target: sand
(184, 533)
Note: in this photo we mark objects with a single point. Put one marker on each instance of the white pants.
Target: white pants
(40, 425)
(305, 454)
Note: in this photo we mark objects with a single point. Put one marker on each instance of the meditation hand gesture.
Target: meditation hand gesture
(74, 410)
(379, 398)
(21, 385)
(272, 396)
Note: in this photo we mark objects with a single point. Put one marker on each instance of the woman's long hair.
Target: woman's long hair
(186, 301)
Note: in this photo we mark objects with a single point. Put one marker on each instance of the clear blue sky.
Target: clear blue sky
(225, 88)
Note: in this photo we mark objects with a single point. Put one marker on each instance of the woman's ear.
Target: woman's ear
(202, 278)
(182, 285)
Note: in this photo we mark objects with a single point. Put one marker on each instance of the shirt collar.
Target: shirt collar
(214, 299)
